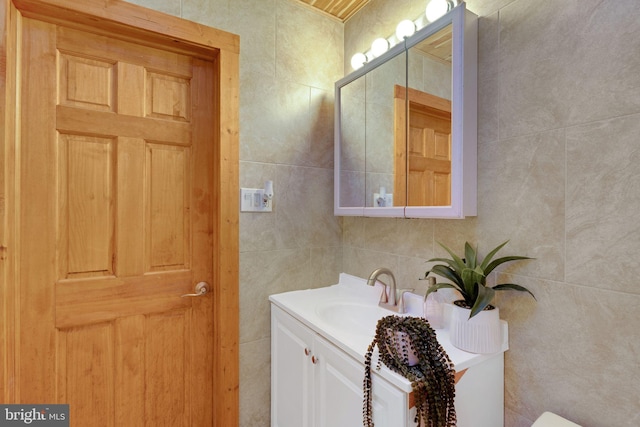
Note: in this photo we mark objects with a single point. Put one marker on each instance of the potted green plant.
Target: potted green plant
(475, 323)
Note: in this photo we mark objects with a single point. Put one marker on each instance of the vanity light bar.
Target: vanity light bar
(406, 28)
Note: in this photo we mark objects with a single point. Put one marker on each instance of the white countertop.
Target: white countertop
(353, 335)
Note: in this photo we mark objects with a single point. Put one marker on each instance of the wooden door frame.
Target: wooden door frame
(130, 22)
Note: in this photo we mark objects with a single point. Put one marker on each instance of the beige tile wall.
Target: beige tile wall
(559, 119)
(559, 175)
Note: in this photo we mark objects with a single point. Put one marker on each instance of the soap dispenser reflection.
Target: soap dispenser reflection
(381, 196)
(382, 199)
(434, 306)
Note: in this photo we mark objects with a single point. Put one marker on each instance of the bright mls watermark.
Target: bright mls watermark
(35, 415)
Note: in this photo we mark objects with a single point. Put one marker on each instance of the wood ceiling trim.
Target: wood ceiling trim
(341, 10)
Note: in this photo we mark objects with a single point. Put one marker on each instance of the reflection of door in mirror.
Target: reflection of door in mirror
(426, 153)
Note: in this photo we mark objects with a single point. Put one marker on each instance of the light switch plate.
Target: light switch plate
(252, 200)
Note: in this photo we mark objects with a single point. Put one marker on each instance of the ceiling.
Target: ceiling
(438, 46)
(339, 9)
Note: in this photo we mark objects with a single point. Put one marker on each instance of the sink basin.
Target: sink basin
(352, 316)
(346, 314)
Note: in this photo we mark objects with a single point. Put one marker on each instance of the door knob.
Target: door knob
(201, 289)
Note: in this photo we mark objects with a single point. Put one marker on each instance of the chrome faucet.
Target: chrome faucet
(394, 300)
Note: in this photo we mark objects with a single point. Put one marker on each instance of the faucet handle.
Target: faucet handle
(383, 295)
(404, 290)
(400, 298)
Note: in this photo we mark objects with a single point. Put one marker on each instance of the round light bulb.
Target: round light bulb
(437, 8)
(358, 60)
(379, 46)
(405, 29)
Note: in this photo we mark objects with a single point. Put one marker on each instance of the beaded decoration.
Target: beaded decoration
(408, 346)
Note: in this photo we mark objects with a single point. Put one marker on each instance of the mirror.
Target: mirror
(367, 116)
(405, 141)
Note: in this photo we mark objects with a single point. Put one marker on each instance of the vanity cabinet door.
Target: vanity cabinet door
(315, 384)
(339, 396)
(338, 379)
(291, 373)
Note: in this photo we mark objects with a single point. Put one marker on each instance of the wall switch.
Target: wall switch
(254, 200)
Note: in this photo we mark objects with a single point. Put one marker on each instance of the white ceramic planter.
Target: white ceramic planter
(412, 357)
(480, 334)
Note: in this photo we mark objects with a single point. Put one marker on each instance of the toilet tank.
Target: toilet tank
(549, 419)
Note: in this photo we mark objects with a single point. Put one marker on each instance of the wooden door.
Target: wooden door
(428, 149)
(429, 156)
(115, 224)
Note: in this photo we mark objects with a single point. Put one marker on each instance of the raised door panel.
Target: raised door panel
(85, 359)
(167, 368)
(167, 216)
(167, 96)
(86, 82)
(86, 200)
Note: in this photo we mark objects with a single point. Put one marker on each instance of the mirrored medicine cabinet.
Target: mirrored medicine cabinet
(406, 126)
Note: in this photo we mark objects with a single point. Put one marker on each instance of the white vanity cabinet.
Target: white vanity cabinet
(318, 341)
(315, 384)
